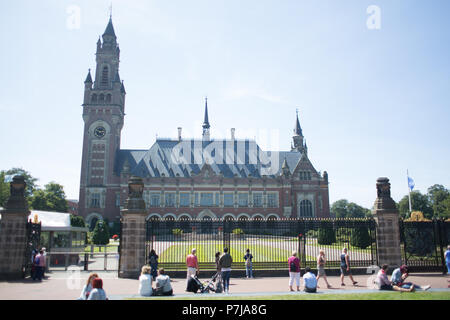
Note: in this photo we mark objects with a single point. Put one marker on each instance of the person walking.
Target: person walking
(145, 282)
(294, 271)
(248, 264)
(40, 265)
(447, 259)
(225, 262)
(97, 293)
(345, 267)
(192, 265)
(153, 261)
(321, 260)
(88, 287)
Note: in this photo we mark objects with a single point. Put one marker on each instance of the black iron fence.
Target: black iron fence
(33, 237)
(423, 244)
(271, 242)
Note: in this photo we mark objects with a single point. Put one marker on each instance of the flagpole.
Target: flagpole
(409, 192)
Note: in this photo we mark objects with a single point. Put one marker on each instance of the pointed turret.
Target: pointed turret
(298, 136)
(298, 128)
(285, 168)
(109, 31)
(206, 125)
(88, 78)
(206, 120)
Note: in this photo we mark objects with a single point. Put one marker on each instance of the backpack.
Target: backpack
(153, 260)
(292, 267)
(248, 261)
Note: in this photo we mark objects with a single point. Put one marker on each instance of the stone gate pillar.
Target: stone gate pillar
(388, 229)
(132, 240)
(13, 231)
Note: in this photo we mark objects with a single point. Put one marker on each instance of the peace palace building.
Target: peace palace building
(187, 178)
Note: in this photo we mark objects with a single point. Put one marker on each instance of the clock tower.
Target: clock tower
(103, 116)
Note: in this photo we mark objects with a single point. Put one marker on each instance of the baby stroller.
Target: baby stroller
(195, 285)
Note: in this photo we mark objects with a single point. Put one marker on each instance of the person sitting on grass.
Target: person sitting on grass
(384, 284)
(399, 276)
(310, 281)
(163, 286)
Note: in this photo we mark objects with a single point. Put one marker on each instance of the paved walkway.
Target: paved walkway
(60, 285)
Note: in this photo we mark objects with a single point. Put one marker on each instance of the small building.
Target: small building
(57, 235)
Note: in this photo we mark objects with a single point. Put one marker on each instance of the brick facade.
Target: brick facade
(294, 189)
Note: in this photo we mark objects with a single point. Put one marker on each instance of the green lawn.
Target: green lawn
(206, 252)
(343, 296)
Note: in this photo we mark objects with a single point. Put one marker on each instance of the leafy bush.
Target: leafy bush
(100, 235)
(77, 221)
(312, 234)
(326, 234)
(177, 232)
(360, 238)
(419, 239)
(238, 231)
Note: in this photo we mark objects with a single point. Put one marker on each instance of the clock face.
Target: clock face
(99, 132)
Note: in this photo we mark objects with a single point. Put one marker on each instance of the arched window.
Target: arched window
(105, 76)
(184, 224)
(271, 224)
(206, 225)
(94, 98)
(306, 209)
(242, 222)
(108, 98)
(169, 224)
(101, 97)
(93, 223)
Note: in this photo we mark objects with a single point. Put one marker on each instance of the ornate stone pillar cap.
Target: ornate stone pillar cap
(384, 202)
(16, 202)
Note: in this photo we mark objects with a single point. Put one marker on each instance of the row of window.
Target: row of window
(212, 199)
(305, 175)
(101, 98)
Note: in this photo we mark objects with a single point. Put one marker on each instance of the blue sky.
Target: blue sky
(372, 102)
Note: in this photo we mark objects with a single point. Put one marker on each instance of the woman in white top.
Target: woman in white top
(88, 287)
(145, 282)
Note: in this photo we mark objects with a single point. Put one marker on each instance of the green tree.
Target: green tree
(360, 238)
(4, 189)
(344, 209)
(100, 235)
(437, 194)
(419, 202)
(326, 234)
(52, 198)
(77, 221)
(29, 179)
(356, 211)
(339, 208)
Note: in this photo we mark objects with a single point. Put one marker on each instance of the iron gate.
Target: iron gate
(33, 237)
(271, 242)
(423, 244)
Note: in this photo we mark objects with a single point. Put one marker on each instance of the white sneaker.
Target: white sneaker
(426, 287)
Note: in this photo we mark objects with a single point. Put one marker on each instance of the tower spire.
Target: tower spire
(206, 125)
(206, 120)
(298, 135)
(298, 128)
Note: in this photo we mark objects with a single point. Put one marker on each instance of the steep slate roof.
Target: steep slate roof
(158, 160)
(110, 29)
